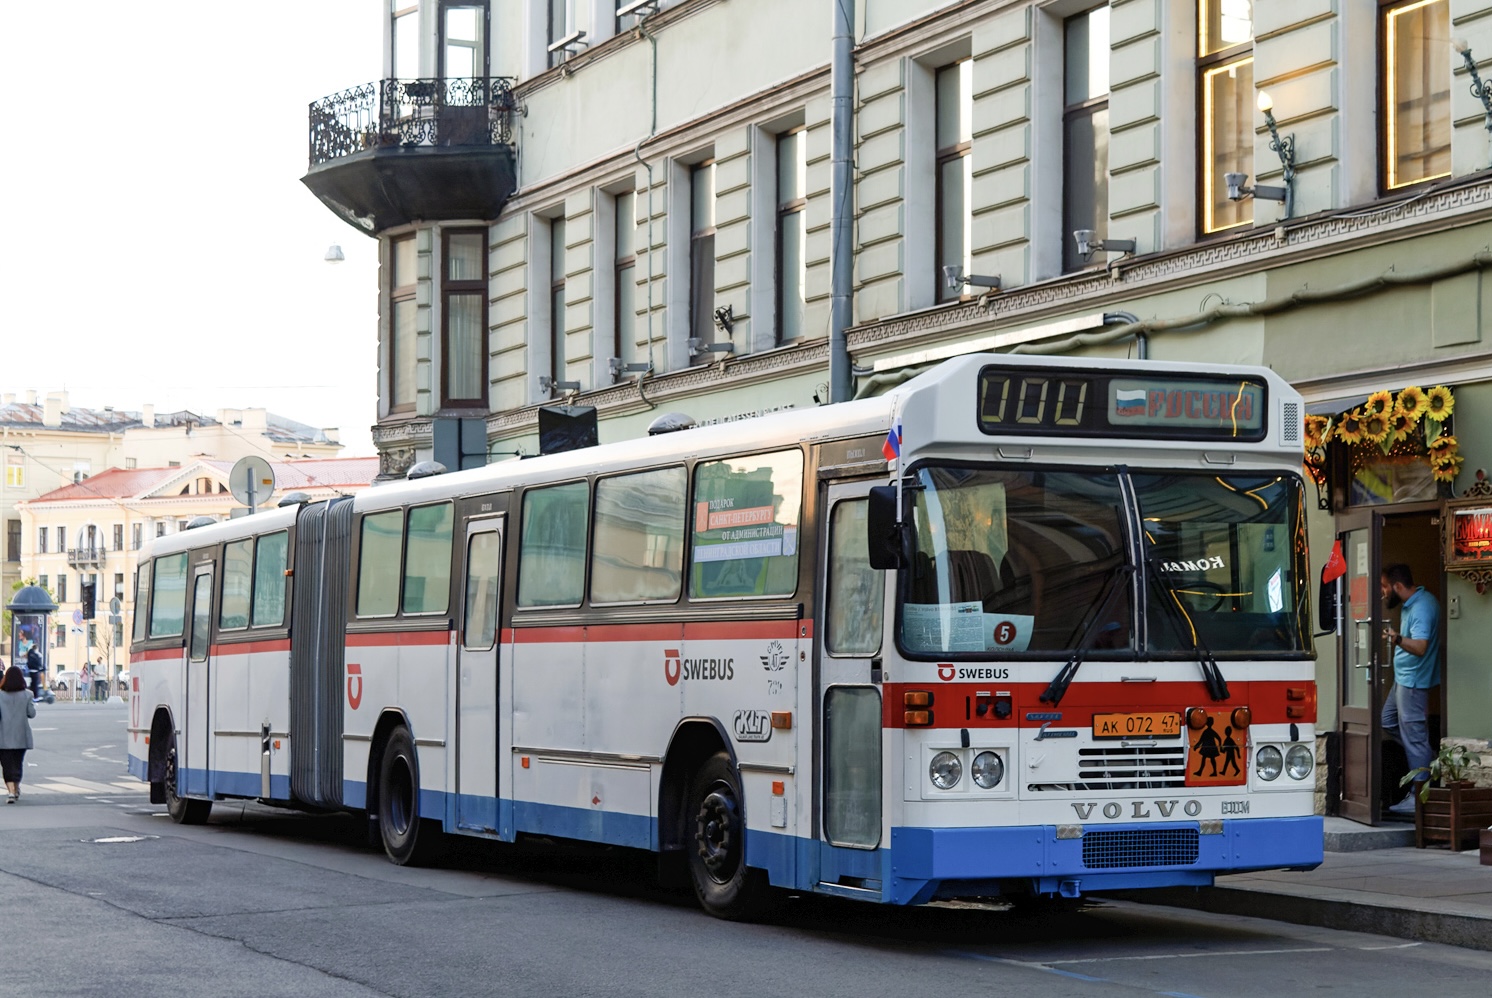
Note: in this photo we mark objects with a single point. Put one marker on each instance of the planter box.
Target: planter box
(1455, 815)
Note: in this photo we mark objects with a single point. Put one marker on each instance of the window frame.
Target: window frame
(557, 332)
(944, 156)
(357, 609)
(399, 294)
(186, 590)
(485, 42)
(254, 581)
(1210, 63)
(702, 259)
(1385, 103)
(595, 491)
(690, 533)
(1088, 107)
(409, 513)
(796, 207)
(450, 288)
(586, 546)
(623, 272)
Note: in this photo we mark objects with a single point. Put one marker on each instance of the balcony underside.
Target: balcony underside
(379, 188)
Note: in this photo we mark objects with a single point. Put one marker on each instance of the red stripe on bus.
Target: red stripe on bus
(390, 639)
(159, 654)
(956, 705)
(252, 647)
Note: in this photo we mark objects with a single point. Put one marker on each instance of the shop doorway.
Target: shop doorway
(1371, 539)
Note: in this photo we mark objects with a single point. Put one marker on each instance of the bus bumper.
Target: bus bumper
(924, 864)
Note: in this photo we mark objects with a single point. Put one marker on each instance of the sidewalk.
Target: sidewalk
(1372, 880)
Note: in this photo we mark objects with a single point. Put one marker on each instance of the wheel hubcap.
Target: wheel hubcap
(401, 793)
(717, 834)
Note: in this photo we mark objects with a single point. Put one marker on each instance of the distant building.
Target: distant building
(93, 529)
(48, 443)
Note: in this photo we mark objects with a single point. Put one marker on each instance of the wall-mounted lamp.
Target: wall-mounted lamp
(571, 44)
(550, 385)
(955, 278)
(1479, 90)
(1088, 247)
(1284, 148)
(726, 318)
(637, 7)
(697, 347)
(618, 369)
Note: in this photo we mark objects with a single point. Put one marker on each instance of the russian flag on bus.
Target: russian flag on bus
(892, 447)
(1130, 403)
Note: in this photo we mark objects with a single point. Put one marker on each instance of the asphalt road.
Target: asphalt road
(102, 895)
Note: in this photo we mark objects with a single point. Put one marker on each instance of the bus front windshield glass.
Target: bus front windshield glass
(1226, 563)
(1015, 561)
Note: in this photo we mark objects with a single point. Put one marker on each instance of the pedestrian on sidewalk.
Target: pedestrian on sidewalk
(85, 682)
(16, 709)
(1416, 670)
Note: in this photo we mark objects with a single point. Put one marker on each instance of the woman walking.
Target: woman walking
(16, 708)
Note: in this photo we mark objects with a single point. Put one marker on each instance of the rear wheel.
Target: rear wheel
(183, 810)
(726, 887)
(408, 839)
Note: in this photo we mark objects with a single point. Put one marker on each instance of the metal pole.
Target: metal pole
(253, 498)
(841, 197)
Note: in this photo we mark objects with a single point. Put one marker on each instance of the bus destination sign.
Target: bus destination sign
(1053, 402)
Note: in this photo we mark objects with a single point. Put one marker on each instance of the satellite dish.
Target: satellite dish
(252, 481)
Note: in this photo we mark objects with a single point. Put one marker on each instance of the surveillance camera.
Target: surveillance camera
(953, 276)
(1235, 182)
(1084, 239)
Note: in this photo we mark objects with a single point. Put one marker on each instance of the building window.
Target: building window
(702, 252)
(62, 588)
(62, 540)
(955, 170)
(406, 39)
(402, 310)
(1416, 92)
(1085, 130)
(464, 332)
(463, 45)
(119, 585)
(41, 540)
(624, 332)
(559, 27)
(41, 580)
(12, 540)
(1225, 87)
(131, 463)
(136, 530)
(557, 299)
(180, 526)
(15, 471)
(792, 233)
(160, 528)
(61, 636)
(118, 537)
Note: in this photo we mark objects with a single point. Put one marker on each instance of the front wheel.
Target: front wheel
(183, 810)
(407, 838)
(726, 887)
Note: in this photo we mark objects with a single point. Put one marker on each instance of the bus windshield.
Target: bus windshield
(1227, 563)
(1013, 561)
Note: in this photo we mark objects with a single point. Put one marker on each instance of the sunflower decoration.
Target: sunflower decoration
(1316, 430)
(1400, 425)
(1349, 428)
(1376, 426)
(1442, 445)
(1439, 404)
(1413, 402)
(1378, 404)
(1446, 469)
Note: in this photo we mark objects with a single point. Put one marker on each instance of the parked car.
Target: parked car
(67, 679)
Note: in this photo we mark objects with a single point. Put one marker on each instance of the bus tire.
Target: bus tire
(716, 845)
(408, 839)
(183, 810)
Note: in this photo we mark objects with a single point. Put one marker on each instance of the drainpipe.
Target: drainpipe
(637, 152)
(841, 249)
(1130, 319)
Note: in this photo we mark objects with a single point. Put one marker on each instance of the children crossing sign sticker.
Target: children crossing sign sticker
(1216, 751)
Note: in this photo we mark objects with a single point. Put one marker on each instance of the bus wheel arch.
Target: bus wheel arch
(163, 776)
(407, 837)
(694, 741)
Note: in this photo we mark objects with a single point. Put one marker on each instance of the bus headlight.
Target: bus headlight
(988, 770)
(1268, 763)
(1298, 762)
(945, 771)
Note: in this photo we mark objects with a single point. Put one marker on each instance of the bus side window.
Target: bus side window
(168, 612)
(142, 601)
(638, 549)
(238, 559)
(551, 555)
(379, 564)
(269, 579)
(427, 562)
(746, 512)
(856, 593)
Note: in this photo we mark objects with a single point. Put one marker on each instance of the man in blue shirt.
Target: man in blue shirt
(1416, 669)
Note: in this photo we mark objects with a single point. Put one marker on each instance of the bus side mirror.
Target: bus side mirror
(890, 543)
(1327, 606)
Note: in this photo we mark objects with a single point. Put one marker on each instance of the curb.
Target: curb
(1471, 931)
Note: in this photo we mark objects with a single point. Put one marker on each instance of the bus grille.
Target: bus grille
(1104, 850)
(1137, 767)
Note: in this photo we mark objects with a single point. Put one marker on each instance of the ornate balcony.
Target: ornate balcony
(387, 153)
(79, 557)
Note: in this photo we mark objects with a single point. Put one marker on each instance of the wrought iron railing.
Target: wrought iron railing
(456, 112)
(86, 555)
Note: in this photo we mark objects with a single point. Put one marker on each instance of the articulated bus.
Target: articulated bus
(1019, 626)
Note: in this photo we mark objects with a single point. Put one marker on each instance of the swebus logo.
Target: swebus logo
(676, 668)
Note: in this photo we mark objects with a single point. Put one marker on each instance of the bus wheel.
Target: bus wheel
(408, 839)
(183, 810)
(726, 887)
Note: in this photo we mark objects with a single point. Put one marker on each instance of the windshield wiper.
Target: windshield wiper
(1100, 609)
(1212, 675)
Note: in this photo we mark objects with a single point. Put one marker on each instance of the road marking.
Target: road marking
(1393, 946)
(1029, 965)
(88, 785)
(1188, 956)
(59, 788)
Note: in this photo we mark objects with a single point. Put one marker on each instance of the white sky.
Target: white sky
(162, 248)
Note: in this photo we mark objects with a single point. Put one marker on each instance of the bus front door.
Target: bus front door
(852, 615)
(196, 725)
(477, 689)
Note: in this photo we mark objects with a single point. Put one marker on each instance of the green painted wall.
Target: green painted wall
(1468, 668)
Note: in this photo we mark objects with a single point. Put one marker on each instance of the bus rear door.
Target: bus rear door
(477, 690)
(196, 734)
